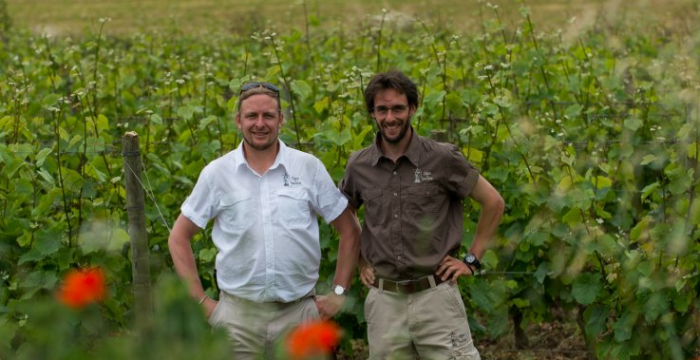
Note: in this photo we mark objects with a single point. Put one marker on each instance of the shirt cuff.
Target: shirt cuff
(470, 181)
(337, 209)
(189, 213)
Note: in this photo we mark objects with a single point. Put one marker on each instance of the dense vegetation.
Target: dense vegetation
(591, 135)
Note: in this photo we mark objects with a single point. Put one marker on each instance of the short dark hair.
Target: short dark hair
(393, 79)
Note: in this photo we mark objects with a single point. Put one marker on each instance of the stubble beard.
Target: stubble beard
(400, 136)
(258, 146)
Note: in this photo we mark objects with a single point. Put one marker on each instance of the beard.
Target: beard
(402, 132)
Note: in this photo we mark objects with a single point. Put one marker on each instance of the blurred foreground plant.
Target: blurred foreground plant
(51, 329)
(83, 287)
(313, 340)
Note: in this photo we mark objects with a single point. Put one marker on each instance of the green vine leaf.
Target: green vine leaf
(302, 89)
(586, 288)
(633, 124)
(624, 326)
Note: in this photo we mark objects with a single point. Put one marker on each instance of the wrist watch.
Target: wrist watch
(471, 260)
(339, 290)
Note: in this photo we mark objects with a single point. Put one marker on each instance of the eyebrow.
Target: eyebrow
(255, 112)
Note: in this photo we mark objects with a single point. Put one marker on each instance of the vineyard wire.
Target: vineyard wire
(150, 194)
(115, 153)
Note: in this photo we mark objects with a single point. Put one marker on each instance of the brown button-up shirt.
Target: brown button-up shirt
(412, 208)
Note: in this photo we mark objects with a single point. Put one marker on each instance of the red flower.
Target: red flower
(82, 287)
(313, 339)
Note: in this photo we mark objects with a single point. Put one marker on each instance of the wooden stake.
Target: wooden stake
(141, 269)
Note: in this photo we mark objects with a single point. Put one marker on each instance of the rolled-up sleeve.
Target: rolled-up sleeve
(200, 206)
(462, 175)
(348, 185)
(330, 202)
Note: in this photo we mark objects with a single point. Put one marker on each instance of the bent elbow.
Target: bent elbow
(173, 243)
(172, 240)
(498, 204)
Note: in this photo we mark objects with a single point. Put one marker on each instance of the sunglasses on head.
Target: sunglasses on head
(253, 85)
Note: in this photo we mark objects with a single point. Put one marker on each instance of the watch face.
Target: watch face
(470, 258)
(339, 290)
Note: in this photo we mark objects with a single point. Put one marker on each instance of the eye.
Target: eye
(396, 110)
(399, 109)
(382, 110)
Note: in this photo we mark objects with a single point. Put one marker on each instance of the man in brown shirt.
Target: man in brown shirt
(413, 189)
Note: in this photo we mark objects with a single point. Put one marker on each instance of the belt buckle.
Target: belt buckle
(407, 284)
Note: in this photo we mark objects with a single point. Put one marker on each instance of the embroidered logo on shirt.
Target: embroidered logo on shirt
(290, 180)
(419, 176)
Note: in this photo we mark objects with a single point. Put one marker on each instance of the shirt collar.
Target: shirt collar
(281, 159)
(412, 152)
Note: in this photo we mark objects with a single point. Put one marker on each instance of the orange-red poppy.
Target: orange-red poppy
(313, 339)
(83, 287)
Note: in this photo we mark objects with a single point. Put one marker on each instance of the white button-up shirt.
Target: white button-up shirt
(266, 227)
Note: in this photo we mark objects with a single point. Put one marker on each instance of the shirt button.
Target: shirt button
(394, 173)
(399, 257)
(396, 216)
(396, 194)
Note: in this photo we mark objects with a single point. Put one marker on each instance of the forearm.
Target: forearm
(183, 257)
(487, 227)
(348, 249)
(347, 261)
(348, 252)
(186, 268)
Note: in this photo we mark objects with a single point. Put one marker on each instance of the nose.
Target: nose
(259, 121)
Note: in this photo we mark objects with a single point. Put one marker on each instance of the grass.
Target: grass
(61, 17)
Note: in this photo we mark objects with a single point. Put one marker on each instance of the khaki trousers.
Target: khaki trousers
(257, 329)
(431, 324)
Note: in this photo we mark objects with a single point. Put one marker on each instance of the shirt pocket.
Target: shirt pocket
(293, 208)
(372, 200)
(236, 210)
(423, 200)
(371, 195)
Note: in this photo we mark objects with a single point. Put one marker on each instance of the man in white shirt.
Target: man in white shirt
(264, 199)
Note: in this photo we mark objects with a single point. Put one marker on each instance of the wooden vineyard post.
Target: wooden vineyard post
(141, 270)
(439, 135)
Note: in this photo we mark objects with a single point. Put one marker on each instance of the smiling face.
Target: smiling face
(259, 119)
(393, 115)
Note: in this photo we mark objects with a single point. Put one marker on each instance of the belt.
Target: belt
(407, 286)
(269, 304)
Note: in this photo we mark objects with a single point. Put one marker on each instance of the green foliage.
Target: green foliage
(5, 20)
(48, 330)
(592, 143)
